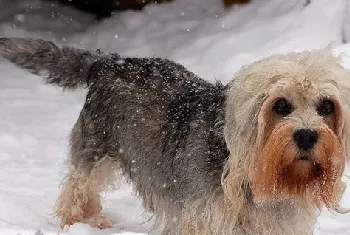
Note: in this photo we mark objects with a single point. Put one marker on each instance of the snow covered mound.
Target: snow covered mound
(213, 42)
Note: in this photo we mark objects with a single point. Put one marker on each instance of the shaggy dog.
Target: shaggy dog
(261, 155)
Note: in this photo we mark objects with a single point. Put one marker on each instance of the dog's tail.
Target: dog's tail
(64, 66)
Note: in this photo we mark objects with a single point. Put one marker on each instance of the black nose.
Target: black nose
(305, 138)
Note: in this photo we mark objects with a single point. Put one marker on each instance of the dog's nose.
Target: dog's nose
(305, 138)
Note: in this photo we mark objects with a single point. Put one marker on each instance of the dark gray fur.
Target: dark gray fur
(66, 67)
(162, 122)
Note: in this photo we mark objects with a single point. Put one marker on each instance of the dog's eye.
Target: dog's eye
(325, 108)
(283, 107)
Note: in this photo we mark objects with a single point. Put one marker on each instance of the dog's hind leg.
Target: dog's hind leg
(88, 176)
(80, 200)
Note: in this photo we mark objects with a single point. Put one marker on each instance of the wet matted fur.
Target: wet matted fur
(261, 155)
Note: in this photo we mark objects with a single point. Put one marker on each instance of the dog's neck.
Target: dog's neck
(247, 218)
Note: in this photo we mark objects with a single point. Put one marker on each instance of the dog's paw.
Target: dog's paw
(99, 221)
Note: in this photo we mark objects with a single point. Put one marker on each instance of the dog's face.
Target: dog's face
(300, 146)
(297, 114)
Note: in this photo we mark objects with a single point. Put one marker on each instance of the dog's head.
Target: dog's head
(287, 128)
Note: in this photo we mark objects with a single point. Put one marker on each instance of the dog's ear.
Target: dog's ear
(343, 107)
(64, 66)
(343, 126)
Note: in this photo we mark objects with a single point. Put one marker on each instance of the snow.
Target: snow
(213, 42)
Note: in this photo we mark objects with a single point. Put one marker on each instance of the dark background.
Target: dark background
(104, 8)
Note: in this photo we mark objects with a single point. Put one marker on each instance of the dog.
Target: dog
(260, 155)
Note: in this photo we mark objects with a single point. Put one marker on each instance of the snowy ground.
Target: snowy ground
(35, 119)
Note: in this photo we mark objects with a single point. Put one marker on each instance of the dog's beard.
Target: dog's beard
(283, 171)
